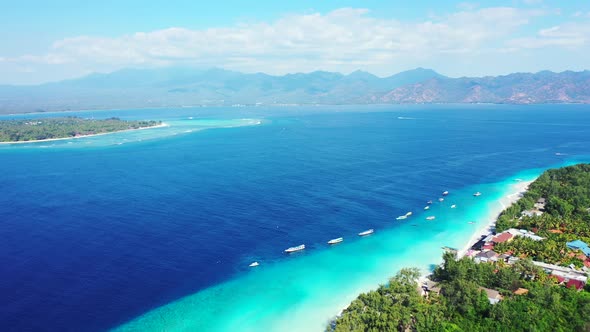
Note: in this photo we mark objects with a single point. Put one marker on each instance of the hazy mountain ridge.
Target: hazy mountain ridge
(131, 88)
(518, 88)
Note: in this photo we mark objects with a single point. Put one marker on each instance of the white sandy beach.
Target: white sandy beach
(489, 224)
(85, 136)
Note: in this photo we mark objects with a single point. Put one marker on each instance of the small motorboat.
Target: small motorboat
(401, 218)
(453, 206)
(337, 240)
(445, 193)
(426, 207)
(367, 232)
(430, 218)
(477, 194)
(408, 214)
(294, 249)
(254, 264)
(429, 202)
(441, 199)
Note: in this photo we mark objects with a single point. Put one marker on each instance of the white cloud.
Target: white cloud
(344, 39)
(568, 35)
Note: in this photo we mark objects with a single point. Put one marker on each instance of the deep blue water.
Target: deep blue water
(92, 237)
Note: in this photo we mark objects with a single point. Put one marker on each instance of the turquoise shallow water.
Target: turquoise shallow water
(153, 230)
(304, 292)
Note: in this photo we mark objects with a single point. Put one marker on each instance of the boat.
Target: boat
(453, 206)
(441, 199)
(408, 214)
(445, 193)
(334, 241)
(471, 222)
(401, 218)
(477, 194)
(429, 202)
(254, 264)
(430, 218)
(294, 249)
(367, 232)
(426, 207)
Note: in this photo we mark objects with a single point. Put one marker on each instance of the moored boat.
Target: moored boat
(401, 218)
(426, 207)
(441, 199)
(367, 232)
(430, 218)
(445, 193)
(337, 240)
(296, 248)
(453, 206)
(429, 202)
(408, 214)
(477, 194)
(254, 264)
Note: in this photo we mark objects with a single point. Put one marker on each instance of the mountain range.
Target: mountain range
(173, 87)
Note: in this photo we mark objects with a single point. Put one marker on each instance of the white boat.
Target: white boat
(408, 214)
(441, 199)
(367, 232)
(255, 264)
(471, 222)
(334, 241)
(427, 207)
(445, 193)
(429, 202)
(453, 206)
(477, 194)
(401, 218)
(430, 218)
(294, 249)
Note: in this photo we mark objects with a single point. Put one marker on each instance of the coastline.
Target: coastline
(84, 136)
(488, 227)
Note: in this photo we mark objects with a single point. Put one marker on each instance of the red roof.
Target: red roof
(578, 284)
(503, 237)
(559, 278)
(488, 246)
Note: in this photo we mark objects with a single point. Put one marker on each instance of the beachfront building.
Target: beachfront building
(579, 245)
(486, 256)
(493, 295)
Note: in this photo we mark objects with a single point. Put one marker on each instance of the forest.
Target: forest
(566, 216)
(22, 130)
(463, 305)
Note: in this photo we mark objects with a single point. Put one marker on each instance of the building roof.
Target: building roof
(502, 237)
(586, 251)
(487, 254)
(492, 294)
(521, 291)
(577, 244)
(541, 200)
(577, 284)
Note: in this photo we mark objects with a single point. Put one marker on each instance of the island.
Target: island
(45, 129)
(529, 276)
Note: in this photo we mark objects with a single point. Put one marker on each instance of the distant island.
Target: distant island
(532, 276)
(38, 130)
(187, 87)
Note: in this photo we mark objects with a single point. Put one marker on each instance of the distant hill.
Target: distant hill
(130, 88)
(520, 88)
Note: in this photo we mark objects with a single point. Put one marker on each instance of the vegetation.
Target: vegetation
(463, 306)
(566, 216)
(51, 128)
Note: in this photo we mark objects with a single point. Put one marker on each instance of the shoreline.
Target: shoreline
(162, 125)
(489, 226)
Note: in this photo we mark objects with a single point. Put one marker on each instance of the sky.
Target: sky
(45, 41)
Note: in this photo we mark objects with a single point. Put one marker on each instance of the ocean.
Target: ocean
(153, 230)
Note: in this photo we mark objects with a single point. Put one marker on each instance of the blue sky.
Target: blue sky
(52, 40)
